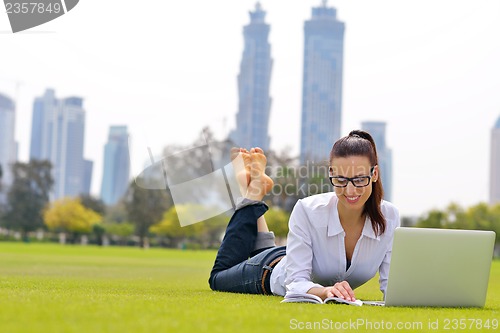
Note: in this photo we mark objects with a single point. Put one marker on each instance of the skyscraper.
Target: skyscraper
(322, 84)
(88, 167)
(57, 135)
(8, 146)
(252, 120)
(377, 131)
(116, 172)
(495, 164)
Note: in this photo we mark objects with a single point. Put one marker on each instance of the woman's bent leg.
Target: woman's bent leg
(232, 270)
(239, 240)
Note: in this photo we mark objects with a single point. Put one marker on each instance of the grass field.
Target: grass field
(57, 288)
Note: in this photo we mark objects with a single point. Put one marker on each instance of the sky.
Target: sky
(166, 69)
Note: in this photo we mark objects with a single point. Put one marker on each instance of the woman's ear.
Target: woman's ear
(375, 174)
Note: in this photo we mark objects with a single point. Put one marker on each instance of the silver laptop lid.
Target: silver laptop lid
(439, 267)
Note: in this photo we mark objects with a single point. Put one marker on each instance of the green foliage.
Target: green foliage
(28, 195)
(123, 229)
(479, 217)
(116, 213)
(99, 230)
(68, 214)
(169, 225)
(434, 219)
(119, 232)
(281, 168)
(90, 202)
(277, 221)
(145, 207)
(293, 181)
(205, 232)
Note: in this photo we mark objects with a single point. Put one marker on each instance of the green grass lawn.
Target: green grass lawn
(56, 288)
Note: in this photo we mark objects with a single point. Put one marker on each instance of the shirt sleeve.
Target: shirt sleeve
(299, 253)
(394, 222)
(384, 270)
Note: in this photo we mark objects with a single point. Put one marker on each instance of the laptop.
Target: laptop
(439, 268)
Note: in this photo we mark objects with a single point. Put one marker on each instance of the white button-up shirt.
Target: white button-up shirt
(315, 254)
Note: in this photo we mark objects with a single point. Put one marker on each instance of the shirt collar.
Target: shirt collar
(334, 227)
(368, 229)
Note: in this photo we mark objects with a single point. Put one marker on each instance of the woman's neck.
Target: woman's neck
(350, 218)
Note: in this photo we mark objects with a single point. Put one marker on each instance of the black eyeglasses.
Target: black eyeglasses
(360, 181)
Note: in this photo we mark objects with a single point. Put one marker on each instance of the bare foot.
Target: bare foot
(241, 160)
(260, 183)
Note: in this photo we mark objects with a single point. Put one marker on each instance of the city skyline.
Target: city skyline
(57, 135)
(8, 145)
(116, 172)
(254, 102)
(377, 130)
(321, 84)
(435, 84)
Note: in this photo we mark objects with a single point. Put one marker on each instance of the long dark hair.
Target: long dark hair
(361, 143)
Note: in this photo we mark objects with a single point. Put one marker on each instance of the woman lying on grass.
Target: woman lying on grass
(336, 242)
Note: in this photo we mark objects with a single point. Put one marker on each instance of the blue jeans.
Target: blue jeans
(240, 267)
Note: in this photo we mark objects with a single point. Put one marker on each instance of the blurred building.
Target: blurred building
(252, 119)
(57, 135)
(88, 167)
(8, 145)
(322, 84)
(116, 173)
(377, 131)
(495, 164)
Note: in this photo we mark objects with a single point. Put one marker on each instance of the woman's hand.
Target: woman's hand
(340, 289)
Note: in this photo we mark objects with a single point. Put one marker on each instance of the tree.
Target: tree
(28, 195)
(119, 231)
(90, 202)
(116, 224)
(282, 168)
(479, 217)
(495, 211)
(145, 207)
(205, 232)
(293, 181)
(170, 227)
(116, 213)
(277, 221)
(69, 215)
(99, 230)
(456, 217)
(434, 219)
